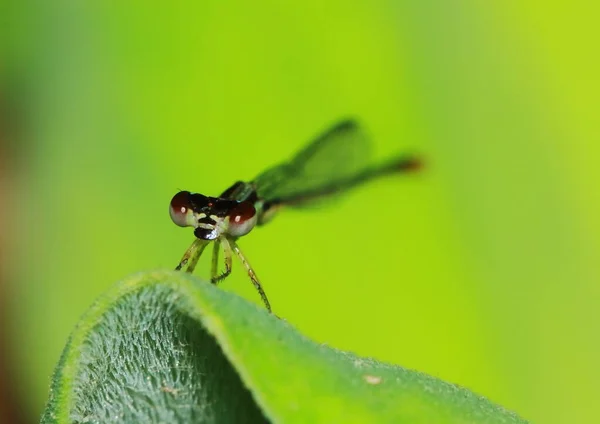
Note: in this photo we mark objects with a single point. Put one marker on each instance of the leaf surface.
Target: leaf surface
(165, 346)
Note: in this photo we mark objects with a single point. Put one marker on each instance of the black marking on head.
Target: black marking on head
(221, 208)
(205, 233)
(207, 220)
(200, 203)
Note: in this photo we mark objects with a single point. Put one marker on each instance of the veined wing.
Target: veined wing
(333, 158)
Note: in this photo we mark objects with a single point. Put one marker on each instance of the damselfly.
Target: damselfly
(335, 161)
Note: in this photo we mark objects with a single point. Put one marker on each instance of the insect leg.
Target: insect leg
(230, 244)
(191, 256)
(215, 277)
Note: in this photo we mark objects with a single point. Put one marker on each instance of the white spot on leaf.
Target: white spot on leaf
(371, 379)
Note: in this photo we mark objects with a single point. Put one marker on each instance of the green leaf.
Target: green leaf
(167, 347)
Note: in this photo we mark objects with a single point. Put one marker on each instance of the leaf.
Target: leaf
(168, 347)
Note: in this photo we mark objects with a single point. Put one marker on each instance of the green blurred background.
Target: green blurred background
(482, 270)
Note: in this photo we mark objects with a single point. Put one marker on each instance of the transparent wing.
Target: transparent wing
(334, 157)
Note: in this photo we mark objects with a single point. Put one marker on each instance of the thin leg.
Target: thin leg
(216, 278)
(191, 256)
(214, 269)
(194, 259)
(229, 244)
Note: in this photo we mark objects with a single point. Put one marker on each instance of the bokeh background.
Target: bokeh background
(482, 270)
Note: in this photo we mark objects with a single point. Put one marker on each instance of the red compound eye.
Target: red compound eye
(242, 212)
(242, 219)
(178, 209)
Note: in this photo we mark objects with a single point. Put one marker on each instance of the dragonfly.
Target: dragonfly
(335, 161)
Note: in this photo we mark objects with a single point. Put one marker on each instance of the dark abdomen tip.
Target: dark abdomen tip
(409, 164)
